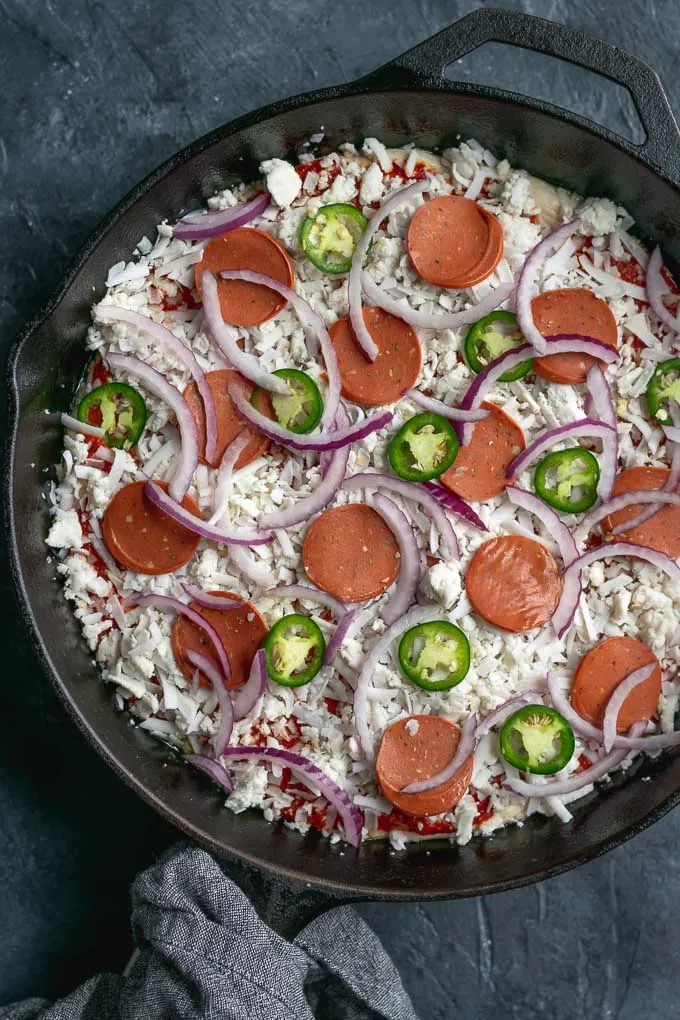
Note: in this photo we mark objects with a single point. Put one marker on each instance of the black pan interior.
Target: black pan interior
(45, 369)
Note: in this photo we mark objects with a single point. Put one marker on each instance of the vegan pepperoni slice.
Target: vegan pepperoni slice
(453, 242)
(660, 532)
(229, 422)
(395, 369)
(351, 553)
(572, 310)
(242, 303)
(417, 748)
(514, 583)
(142, 537)
(602, 669)
(478, 472)
(241, 631)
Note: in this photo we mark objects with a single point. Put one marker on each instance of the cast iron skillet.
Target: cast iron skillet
(407, 100)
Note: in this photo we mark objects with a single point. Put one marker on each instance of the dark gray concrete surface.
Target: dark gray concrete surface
(94, 94)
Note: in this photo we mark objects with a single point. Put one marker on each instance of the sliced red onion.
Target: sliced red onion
(566, 343)
(500, 714)
(339, 635)
(672, 432)
(235, 536)
(414, 492)
(213, 769)
(75, 425)
(356, 317)
(455, 504)
(571, 590)
(168, 340)
(187, 462)
(656, 288)
(600, 394)
(375, 295)
(194, 227)
(439, 407)
(168, 602)
(414, 617)
(528, 280)
(466, 747)
(588, 427)
(619, 695)
(657, 497)
(225, 336)
(245, 699)
(336, 469)
(404, 593)
(303, 591)
(217, 679)
(315, 323)
(310, 774)
(547, 516)
(320, 441)
(225, 474)
(204, 598)
(669, 486)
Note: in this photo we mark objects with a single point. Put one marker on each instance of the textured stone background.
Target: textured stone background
(94, 95)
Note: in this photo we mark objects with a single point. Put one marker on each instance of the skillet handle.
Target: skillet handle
(425, 64)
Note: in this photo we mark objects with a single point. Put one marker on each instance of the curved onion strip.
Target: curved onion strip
(308, 317)
(319, 441)
(439, 407)
(204, 598)
(339, 635)
(586, 428)
(602, 404)
(187, 462)
(198, 225)
(656, 288)
(619, 695)
(414, 617)
(356, 317)
(213, 769)
(225, 336)
(166, 339)
(236, 536)
(311, 775)
(466, 747)
(669, 486)
(547, 516)
(375, 295)
(245, 699)
(456, 505)
(565, 343)
(336, 469)
(527, 283)
(414, 492)
(657, 497)
(500, 714)
(75, 425)
(571, 591)
(404, 592)
(226, 727)
(168, 602)
(303, 591)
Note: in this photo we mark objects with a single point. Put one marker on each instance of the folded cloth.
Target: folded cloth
(205, 954)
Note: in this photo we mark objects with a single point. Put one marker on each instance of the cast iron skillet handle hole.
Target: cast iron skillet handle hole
(424, 66)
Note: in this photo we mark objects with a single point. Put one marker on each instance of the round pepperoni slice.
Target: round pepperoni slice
(514, 583)
(395, 369)
(242, 303)
(143, 538)
(229, 422)
(602, 669)
(241, 631)
(447, 240)
(478, 472)
(417, 748)
(492, 254)
(572, 310)
(351, 553)
(660, 532)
